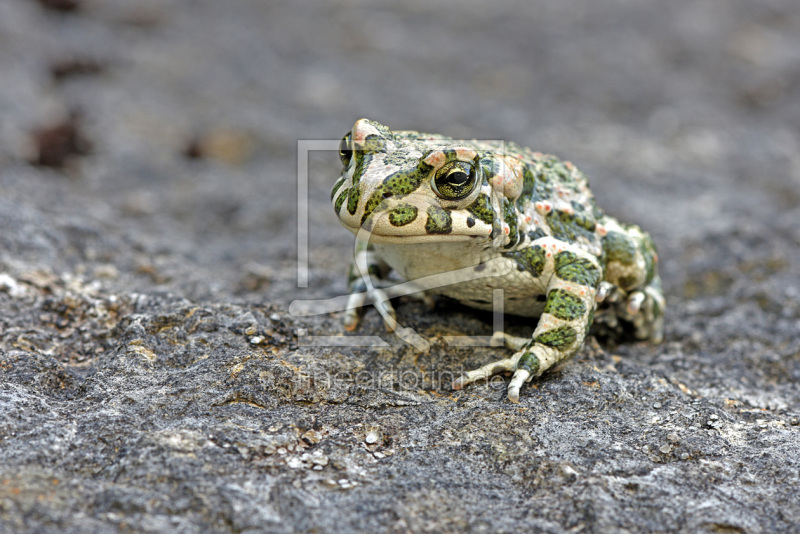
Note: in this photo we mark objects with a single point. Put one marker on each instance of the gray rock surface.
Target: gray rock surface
(152, 378)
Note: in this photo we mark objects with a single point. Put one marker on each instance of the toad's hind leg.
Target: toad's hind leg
(563, 325)
(636, 299)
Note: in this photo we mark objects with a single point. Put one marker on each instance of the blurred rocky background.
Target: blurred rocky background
(152, 378)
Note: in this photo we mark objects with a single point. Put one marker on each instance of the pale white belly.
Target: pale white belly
(467, 273)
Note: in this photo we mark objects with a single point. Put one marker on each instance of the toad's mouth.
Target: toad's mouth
(453, 229)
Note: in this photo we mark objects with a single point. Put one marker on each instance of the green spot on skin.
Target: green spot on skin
(561, 170)
(510, 217)
(536, 233)
(397, 185)
(339, 201)
(402, 215)
(571, 268)
(339, 183)
(374, 143)
(482, 209)
(544, 189)
(529, 362)
(570, 226)
(449, 154)
(531, 259)
(439, 221)
(564, 305)
(561, 226)
(558, 338)
(527, 186)
(619, 247)
(487, 166)
(362, 162)
(398, 158)
(586, 223)
(352, 202)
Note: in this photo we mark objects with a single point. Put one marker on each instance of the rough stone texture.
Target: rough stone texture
(152, 378)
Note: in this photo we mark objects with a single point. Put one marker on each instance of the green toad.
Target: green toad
(466, 219)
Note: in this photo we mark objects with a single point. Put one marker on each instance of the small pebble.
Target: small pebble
(673, 437)
(317, 458)
(794, 421)
(567, 471)
(656, 405)
(255, 340)
(371, 438)
(665, 449)
(11, 286)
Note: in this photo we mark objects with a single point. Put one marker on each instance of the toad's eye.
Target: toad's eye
(346, 149)
(455, 181)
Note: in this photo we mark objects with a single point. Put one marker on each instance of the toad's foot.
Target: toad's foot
(518, 363)
(356, 302)
(645, 310)
(379, 297)
(638, 315)
(521, 375)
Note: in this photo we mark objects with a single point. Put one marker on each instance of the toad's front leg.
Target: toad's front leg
(562, 327)
(367, 282)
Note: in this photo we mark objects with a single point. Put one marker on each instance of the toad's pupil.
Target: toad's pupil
(458, 178)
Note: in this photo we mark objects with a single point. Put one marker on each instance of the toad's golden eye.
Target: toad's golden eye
(455, 181)
(346, 149)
